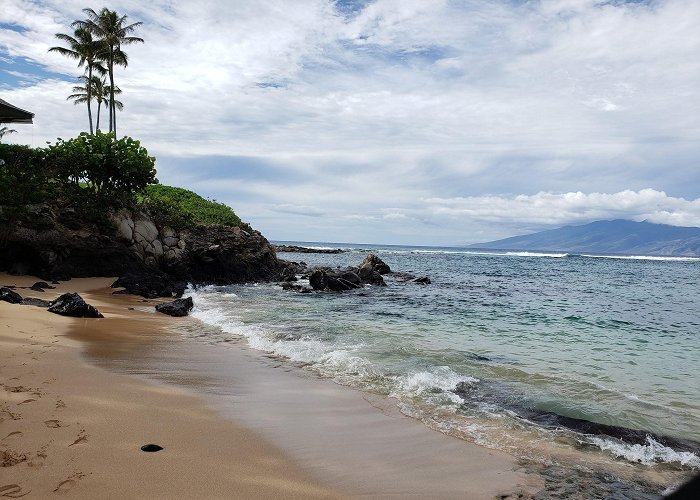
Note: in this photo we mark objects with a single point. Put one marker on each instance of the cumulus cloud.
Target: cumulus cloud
(555, 209)
(389, 115)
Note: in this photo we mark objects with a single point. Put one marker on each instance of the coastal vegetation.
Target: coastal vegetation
(95, 174)
(182, 208)
(97, 45)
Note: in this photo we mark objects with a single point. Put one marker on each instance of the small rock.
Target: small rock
(30, 301)
(10, 296)
(72, 304)
(178, 307)
(151, 447)
(41, 286)
(422, 281)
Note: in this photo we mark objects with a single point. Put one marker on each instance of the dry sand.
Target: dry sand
(68, 427)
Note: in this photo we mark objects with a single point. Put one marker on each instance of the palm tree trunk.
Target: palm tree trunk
(112, 122)
(89, 97)
(99, 105)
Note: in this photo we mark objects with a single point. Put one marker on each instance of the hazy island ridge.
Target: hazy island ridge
(622, 237)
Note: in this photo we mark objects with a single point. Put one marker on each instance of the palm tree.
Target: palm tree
(111, 29)
(87, 51)
(95, 89)
(103, 93)
(6, 130)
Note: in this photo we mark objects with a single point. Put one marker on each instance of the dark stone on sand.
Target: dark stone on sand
(31, 301)
(178, 307)
(72, 304)
(40, 286)
(149, 284)
(10, 296)
(151, 447)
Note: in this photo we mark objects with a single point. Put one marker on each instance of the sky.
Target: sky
(442, 122)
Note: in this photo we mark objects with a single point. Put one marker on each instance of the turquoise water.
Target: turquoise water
(615, 341)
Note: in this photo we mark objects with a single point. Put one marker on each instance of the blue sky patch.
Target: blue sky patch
(22, 72)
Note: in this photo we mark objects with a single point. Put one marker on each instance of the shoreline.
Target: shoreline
(80, 394)
(69, 427)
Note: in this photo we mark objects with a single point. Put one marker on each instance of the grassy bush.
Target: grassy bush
(182, 208)
(24, 178)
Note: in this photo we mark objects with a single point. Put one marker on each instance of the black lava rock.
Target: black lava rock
(40, 286)
(72, 304)
(10, 296)
(178, 307)
(149, 284)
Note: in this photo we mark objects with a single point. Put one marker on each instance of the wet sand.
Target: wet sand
(268, 429)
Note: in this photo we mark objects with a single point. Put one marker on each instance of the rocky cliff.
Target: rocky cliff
(49, 245)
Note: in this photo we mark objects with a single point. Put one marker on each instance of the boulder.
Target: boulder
(72, 304)
(375, 264)
(42, 285)
(317, 279)
(178, 307)
(145, 230)
(8, 295)
(149, 284)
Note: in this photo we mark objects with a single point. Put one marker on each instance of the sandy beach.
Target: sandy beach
(69, 427)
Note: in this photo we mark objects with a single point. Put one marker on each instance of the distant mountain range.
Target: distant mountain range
(608, 236)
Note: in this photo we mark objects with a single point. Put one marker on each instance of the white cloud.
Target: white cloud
(555, 209)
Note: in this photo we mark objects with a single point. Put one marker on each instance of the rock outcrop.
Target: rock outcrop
(371, 271)
(298, 249)
(53, 246)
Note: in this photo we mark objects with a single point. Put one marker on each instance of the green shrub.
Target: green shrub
(182, 208)
(113, 169)
(24, 178)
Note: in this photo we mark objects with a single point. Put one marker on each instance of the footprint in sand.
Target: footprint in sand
(82, 438)
(53, 424)
(26, 401)
(16, 434)
(60, 404)
(38, 460)
(13, 491)
(64, 486)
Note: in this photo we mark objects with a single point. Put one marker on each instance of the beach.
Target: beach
(70, 427)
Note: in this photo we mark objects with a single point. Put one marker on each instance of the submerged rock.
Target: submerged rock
(10, 296)
(178, 307)
(72, 304)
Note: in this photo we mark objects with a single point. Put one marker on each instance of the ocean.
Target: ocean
(543, 355)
